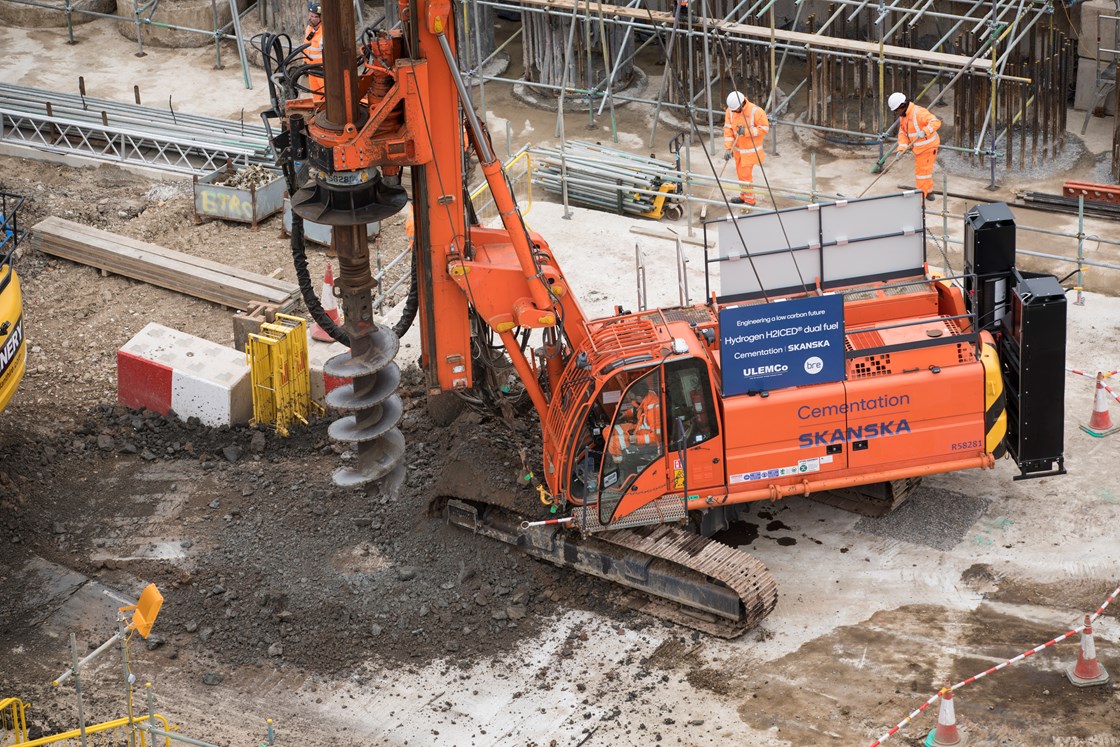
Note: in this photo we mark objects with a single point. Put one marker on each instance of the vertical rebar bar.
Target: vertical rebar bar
(688, 180)
(1080, 301)
(682, 274)
(707, 72)
(608, 91)
(69, 23)
(477, 25)
(590, 64)
(812, 176)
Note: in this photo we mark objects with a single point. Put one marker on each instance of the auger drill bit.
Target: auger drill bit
(348, 200)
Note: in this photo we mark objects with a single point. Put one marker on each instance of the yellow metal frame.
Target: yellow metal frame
(13, 721)
(280, 374)
(658, 210)
(137, 738)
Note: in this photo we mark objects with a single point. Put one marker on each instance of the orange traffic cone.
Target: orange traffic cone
(946, 734)
(1087, 671)
(329, 305)
(1100, 422)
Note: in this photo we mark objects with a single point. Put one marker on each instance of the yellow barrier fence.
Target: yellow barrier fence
(279, 372)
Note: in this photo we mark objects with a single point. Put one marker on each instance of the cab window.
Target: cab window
(691, 416)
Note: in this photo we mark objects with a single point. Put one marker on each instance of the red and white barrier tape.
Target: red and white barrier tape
(1093, 376)
(901, 724)
(546, 522)
(1112, 393)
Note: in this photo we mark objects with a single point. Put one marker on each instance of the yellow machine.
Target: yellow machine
(13, 353)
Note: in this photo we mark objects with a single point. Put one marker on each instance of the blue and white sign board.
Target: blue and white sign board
(775, 345)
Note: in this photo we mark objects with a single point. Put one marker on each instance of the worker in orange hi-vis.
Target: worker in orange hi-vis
(648, 427)
(313, 54)
(744, 128)
(917, 131)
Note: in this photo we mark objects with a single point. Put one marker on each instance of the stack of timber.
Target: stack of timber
(213, 281)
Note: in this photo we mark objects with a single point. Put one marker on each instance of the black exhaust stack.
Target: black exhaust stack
(1026, 312)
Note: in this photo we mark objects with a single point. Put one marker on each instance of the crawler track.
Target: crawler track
(683, 577)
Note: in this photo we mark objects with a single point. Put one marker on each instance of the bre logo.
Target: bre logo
(814, 365)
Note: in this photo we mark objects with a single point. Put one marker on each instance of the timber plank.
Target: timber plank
(212, 281)
(128, 262)
(90, 235)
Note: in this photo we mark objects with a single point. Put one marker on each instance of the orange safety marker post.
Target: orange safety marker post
(946, 734)
(1087, 671)
(1100, 422)
(330, 305)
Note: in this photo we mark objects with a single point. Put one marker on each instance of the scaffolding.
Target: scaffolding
(1008, 61)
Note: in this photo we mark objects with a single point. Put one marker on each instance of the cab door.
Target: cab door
(687, 455)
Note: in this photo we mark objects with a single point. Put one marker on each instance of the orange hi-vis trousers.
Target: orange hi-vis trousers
(744, 170)
(923, 170)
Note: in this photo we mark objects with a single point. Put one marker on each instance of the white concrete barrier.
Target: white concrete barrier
(163, 369)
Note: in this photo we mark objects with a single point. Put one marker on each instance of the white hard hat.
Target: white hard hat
(896, 100)
(735, 100)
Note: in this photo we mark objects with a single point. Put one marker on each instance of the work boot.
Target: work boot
(737, 200)
(931, 197)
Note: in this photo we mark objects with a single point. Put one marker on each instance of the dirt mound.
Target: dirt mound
(260, 557)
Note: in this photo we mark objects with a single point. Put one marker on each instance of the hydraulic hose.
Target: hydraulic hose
(411, 304)
(303, 277)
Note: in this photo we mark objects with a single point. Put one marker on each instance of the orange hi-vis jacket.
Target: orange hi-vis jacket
(314, 51)
(745, 131)
(624, 436)
(649, 417)
(918, 129)
(644, 431)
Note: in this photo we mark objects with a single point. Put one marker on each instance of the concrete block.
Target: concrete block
(1090, 11)
(164, 369)
(318, 353)
(1086, 85)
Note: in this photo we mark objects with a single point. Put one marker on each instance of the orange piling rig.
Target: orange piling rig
(928, 378)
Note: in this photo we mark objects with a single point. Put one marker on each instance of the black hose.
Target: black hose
(310, 299)
(411, 304)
